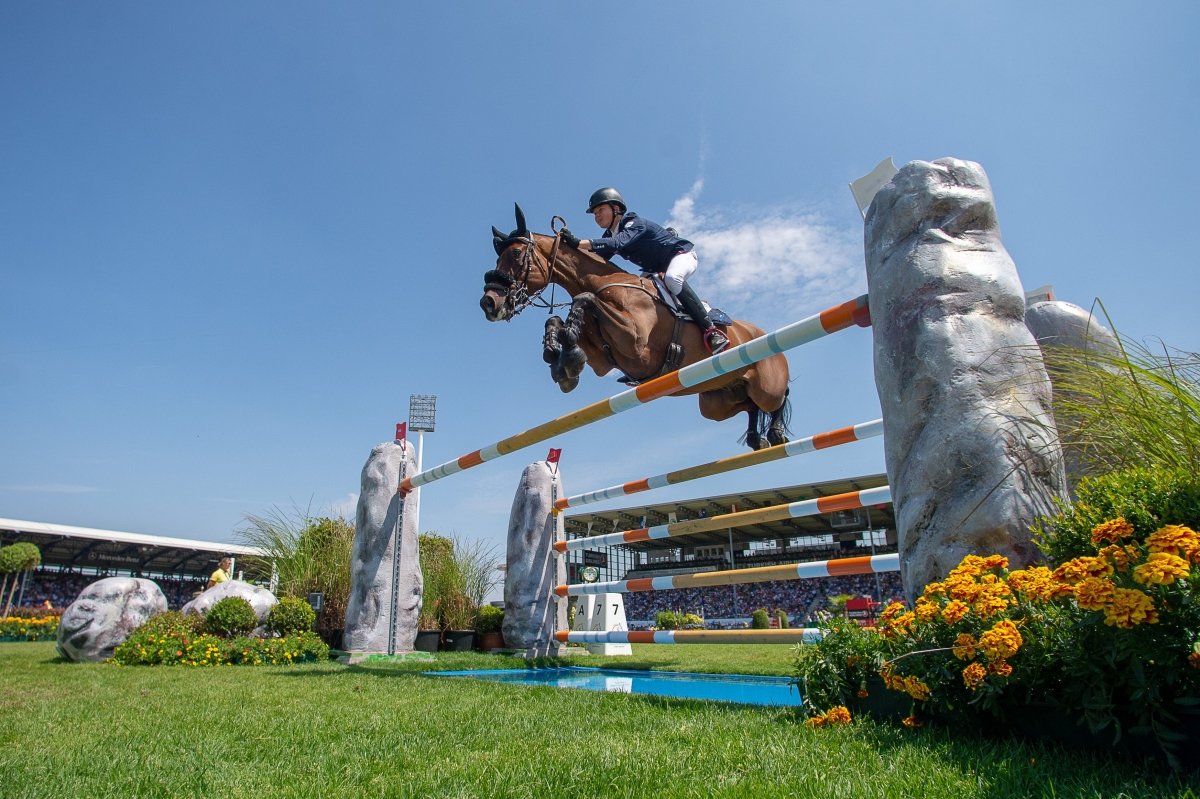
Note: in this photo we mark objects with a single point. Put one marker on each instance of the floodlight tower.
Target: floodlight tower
(422, 413)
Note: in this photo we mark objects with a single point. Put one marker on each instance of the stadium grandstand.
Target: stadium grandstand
(841, 534)
(73, 557)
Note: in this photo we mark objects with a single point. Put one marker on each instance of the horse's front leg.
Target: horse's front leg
(571, 357)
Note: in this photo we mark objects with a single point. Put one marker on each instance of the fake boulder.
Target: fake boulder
(377, 570)
(532, 613)
(971, 447)
(259, 598)
(104, 614)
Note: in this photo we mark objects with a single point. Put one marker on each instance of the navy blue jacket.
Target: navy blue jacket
(648, 245)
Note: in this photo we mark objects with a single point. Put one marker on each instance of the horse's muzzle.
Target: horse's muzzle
(493, 305)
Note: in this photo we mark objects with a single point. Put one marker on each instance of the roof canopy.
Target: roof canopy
(67, 547)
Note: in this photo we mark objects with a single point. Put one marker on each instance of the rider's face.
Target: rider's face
(604, 215)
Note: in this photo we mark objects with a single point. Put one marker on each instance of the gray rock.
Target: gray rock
(369, 619)
(532, 613)
(259, 598)
(1057, 323)
(104, 614)
(971, 447)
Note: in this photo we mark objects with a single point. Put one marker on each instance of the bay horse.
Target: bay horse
(618, 321)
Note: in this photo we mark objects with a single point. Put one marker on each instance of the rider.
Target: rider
(652, 248)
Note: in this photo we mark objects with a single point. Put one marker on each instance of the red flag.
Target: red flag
(402, 431)
(553, 456)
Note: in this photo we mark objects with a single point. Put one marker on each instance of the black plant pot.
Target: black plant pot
(458, 640)
(427, 640)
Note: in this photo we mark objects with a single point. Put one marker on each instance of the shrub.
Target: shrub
(835, 670)
(1146, 498)
(759, 620)
(784, 622)
(229, 617)
(691, 621)
(666, 620)
(489, 619)
(291, 616)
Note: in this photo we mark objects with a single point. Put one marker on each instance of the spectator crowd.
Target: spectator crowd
(61, 588)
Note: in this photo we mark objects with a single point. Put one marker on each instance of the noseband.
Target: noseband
(515, 290)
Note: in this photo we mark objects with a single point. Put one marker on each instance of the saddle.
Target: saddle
(675, 350)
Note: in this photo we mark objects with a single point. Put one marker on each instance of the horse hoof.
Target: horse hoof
(572, 360)
(754, 441)
(567, 384)
(775, 438)
(550, 354)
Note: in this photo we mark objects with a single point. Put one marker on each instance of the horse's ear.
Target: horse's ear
(521, 229)
(499, 240)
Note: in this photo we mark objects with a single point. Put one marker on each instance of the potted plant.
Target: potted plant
(458, 619)
(429, 634)
(489, 624)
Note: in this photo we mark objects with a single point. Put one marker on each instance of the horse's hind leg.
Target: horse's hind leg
(777, 425)
(753, 437)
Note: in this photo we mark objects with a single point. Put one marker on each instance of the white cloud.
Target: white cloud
(772, 266)
(345, 508)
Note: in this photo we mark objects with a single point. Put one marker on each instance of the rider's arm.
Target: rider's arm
(616, 245)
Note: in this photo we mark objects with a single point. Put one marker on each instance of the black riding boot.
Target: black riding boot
(714, 339)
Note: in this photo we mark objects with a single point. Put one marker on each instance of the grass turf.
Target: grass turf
(382, 729)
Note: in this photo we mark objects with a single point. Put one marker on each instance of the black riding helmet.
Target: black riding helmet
(607, 195)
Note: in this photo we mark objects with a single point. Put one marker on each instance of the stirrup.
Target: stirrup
(715, 340)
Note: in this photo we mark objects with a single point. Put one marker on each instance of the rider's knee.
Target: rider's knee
(674, 283)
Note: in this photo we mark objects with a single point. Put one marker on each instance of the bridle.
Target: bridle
(517, 296)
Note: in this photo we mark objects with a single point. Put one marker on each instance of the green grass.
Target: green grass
(381, 729)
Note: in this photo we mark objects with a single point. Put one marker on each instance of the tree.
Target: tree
(16, 559)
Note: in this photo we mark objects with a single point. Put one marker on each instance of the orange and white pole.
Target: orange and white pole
(839, 567)
(806, 507)
(793, 635)
(833, 438)
(831, 320)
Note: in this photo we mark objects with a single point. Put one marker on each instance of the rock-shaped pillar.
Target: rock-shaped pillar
(1055, 323)
(104, 614)
(532, 613)
(375, 573)
(971, 448)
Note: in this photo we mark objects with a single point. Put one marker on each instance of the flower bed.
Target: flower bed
(171, 639)
(14, 628)
(1108, 638)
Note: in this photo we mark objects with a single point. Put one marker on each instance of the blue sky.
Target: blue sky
(236, 237)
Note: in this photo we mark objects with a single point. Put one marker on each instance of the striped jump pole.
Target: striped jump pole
(793, 635)
(833, 438)
(806, 507)
(831, 320)
(867, 564)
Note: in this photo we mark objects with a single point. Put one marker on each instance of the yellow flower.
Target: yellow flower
(1094, 593)
(1161, 568)
(1002, 641)
(1175, 539)
(934, 589)
(995, 562)
(917, 689)
(1034, 583)
(815, 721)
(1076, 571)
(925, 610)
(1111, 531)
(964, 646)
(911, 722)
(837, 715)
(973, 675)
(1118, 556)
(993, 598)
(954, 611)
(1000, 668)
(1130, 607)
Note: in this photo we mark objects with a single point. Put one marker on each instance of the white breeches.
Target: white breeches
(680, 268)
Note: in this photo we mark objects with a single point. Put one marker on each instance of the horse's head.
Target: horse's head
(519, 274)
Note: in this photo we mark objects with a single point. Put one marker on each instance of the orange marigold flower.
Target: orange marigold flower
(1034, 583)
(934, 589)
(1111, 531)
(954, 611)
(1094, 593)
(911, 722)
(970, 566)
(965, 646)
(1000, 668)
(1002, 641)
(973, 676)
(1077, 570)
(1161, 568)
(1175, 539)
(891, 612)
(837, 715)
(917, 689)
(1130, 607)
(815, 721)
(995, 562)
(925, 610)
(1118, 556)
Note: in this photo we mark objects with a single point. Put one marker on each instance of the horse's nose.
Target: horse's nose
(488, 303)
